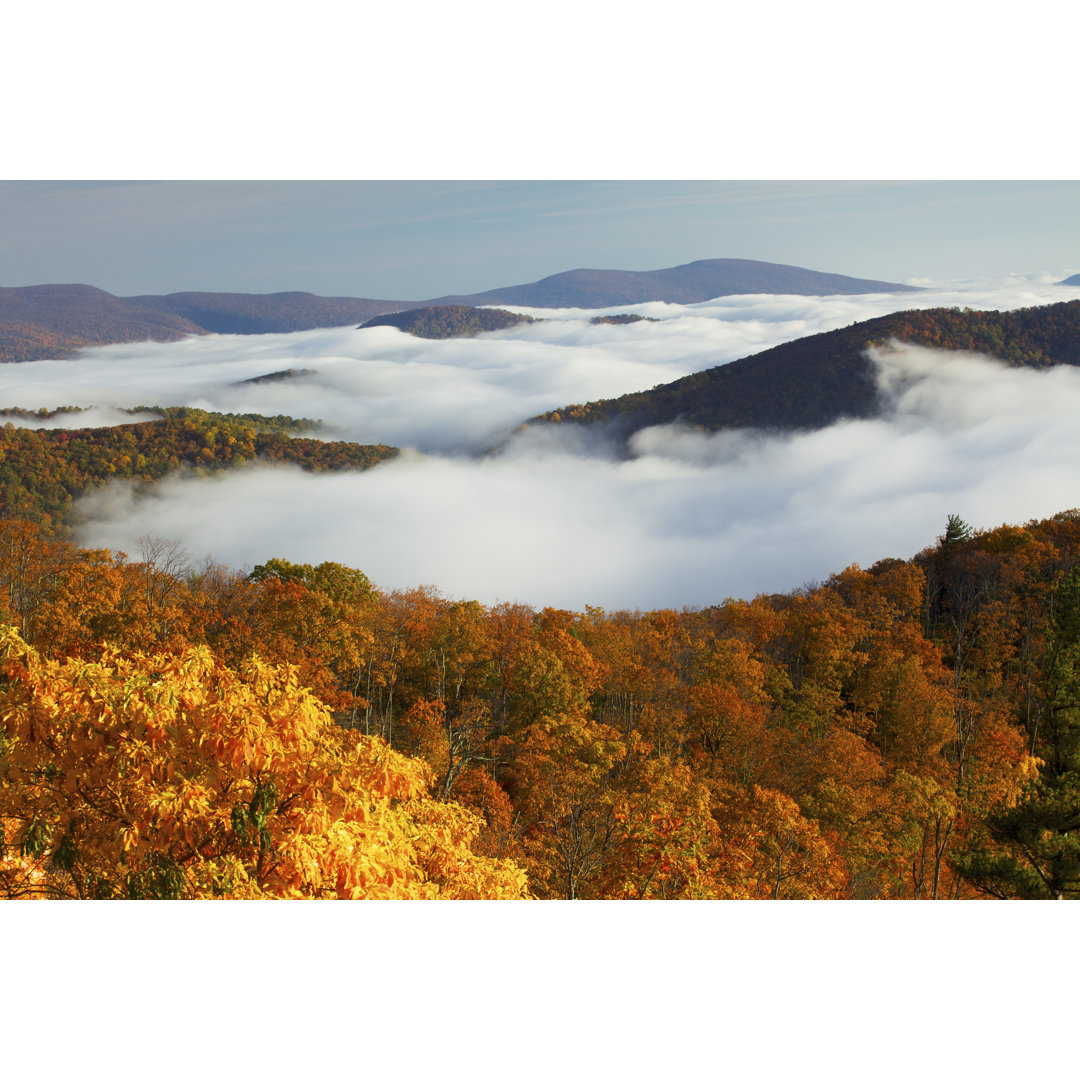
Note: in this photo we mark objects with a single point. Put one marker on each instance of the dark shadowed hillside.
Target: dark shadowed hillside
(812, 382)
(688, 284)
(450, 320)
(286, 375)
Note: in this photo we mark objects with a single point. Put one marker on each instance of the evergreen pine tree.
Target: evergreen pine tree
(957, 530)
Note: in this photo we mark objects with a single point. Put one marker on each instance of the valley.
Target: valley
(696, 637)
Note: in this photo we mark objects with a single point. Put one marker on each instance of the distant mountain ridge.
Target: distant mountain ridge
(52, 321)
(691, 283)
(39, 322)
(265, 313)
(814, 381)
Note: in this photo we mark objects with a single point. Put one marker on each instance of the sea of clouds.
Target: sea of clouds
(557, 516)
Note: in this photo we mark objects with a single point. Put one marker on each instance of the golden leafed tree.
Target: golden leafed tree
(174, 776)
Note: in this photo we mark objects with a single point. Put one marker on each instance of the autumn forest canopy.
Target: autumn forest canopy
(174, 727)
(911, 730)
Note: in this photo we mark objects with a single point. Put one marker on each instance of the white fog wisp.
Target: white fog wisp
(92, 416)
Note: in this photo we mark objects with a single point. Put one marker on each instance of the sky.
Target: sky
(420, 239)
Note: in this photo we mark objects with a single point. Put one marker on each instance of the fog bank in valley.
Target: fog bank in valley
(689, 519)
(557, 516)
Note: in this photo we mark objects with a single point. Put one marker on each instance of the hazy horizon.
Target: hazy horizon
(413, 240)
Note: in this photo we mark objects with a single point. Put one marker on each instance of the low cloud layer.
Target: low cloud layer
(558, 517)
(460, 396)
(689, 520)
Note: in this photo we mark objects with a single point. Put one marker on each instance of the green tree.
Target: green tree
(1038, 837)
(957, 530)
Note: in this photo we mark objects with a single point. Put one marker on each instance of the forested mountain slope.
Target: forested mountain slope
(450, 320)
(907, 731)
(816, 380)
(43, 470)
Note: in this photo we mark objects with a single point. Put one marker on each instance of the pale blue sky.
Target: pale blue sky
(420, 239)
